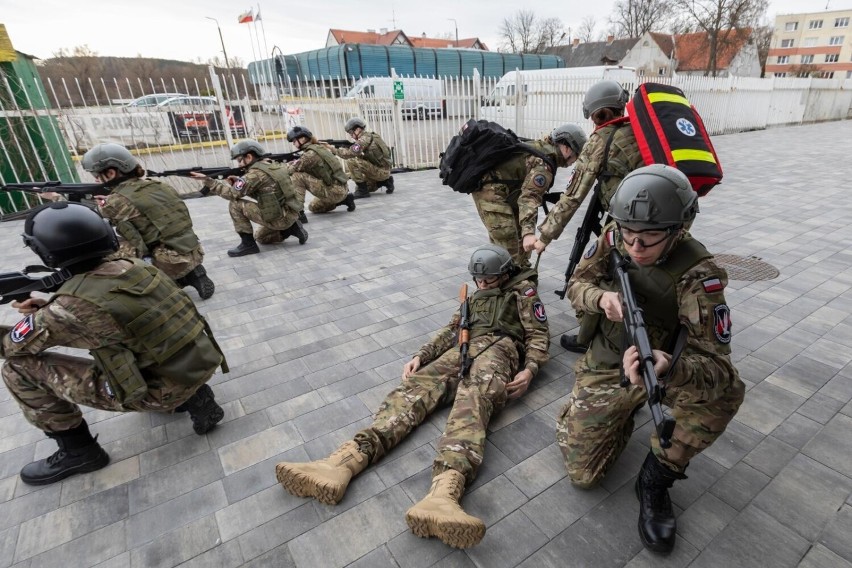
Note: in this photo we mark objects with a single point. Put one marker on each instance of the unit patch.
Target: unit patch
(23, 329)
(355, 148)
(592, 250)
(539, 180)
(712, 285)
(722, 323)
(239, 183)
(538, 312)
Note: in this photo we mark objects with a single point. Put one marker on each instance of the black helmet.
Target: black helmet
(490, 260)
(570, 135)
(604, 94)
(298, 132)
(109, 155)
(65, 233)
(654, 197)
(353, 123)
(246, 146)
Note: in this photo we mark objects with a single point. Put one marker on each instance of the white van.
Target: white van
(535, 101)
(423, 98)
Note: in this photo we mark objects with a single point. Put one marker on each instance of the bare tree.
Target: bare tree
(551, 31)
(632, 18)
(762, 37)
(525, 33)
(586, 31)
(724, 21)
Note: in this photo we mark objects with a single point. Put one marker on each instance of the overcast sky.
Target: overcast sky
(178, 29)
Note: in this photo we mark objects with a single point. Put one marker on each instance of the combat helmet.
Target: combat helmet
(298, 132)
(604, 94)
(65, 233)
(353, 123)
(247, 146)
(654, 197)
(490, 260)
(109, 155)
(570, 135)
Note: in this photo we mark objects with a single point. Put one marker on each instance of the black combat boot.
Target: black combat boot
(349, 202)
(570, 343)
(78, 452)
(199, 280)
(388, 184)
(203, 410)
(361, 190)
(296, 230)
(247, 246)
(657, 525)
(302, 217)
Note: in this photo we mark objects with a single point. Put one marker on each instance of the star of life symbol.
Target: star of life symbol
(685, 127)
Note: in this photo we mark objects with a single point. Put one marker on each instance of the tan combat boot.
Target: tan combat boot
(324, 480)
(439, 513)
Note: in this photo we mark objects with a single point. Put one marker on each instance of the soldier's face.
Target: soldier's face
(645, 247)
(487, 282)
(568, 154)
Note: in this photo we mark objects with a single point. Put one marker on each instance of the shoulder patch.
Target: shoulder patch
(23, 329)
(592, 250)
(539, 180)
(722, 323)
(529, 292)
(610, 238)
(538, 312)
(239, 183)
(712, 285)
(355, 148)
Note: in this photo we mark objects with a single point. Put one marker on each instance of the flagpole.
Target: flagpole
(259, 59)
(266, 51)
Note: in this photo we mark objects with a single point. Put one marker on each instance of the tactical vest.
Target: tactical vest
(169, 339)
(376, 151)
(272, 204)
(655, 288)
(513, 171)
(330, 172)
(495, 311)
(165, 219)
(623, 157)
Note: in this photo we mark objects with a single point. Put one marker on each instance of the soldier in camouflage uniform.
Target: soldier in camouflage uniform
(153, 351)
(610, 154)
(319, 172)
(681, 291)
(151, 219)
(508, 344)
(368, 159)
(264, 195)
(511, 194)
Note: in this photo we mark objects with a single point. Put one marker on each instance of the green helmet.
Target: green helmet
(654, 197)
(247, 146)
(570, 135)
(109, 155)
(490, 260)
(65, 233)
(353, 123)
(299, 132)
(604, 94)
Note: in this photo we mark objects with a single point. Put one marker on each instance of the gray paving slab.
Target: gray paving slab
(316, 335)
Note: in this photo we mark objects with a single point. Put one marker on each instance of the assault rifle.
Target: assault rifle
(338, 143)
(592, 222)
(223, 172)
(74, 191)
(637, 334)
(18, 285)
(464, 332)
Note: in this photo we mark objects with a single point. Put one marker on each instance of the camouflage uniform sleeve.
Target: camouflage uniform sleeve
(538, 180)
(356, 150)
(66, 321)
(307, 163)
(443, 341)
(586, 170)
(584, 292)
(244, 186)
(536, 328)
(705, 364)
(121, 212)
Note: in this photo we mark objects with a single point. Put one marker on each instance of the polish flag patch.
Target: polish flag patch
(610, 238)
(712, 285)
(529, 292)
(23, 329)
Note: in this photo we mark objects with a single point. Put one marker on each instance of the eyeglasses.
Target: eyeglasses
(485, 281)
(631, 237)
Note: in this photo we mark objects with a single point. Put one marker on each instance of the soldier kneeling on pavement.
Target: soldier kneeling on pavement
(368, 159)
(153, 351)
(151, 219)
(508, 344)
(264, 195)
(319, 172)
(681, 292)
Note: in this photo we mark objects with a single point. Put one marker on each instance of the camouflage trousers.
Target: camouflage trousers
(326, 197)
(475, 399)
(174, 264)
(501, 220)
(596, 423)
(363, 171)
(244, 212)
(49, 387)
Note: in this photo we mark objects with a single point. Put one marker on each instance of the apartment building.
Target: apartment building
(817, 44)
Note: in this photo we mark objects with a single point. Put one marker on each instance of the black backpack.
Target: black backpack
(478, 148)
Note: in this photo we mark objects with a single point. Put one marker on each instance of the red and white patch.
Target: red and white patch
(712, 285)
(610, 238)
(538, 312)
(23, 329)
(239, 183)
(529, 292)
(722, 323)
(355, 148)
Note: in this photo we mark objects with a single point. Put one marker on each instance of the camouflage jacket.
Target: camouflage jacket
(369, 146)
(249, 185)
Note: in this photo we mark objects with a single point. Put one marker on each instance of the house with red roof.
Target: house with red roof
(398, 37)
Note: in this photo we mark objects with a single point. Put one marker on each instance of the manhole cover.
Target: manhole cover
(745, 267)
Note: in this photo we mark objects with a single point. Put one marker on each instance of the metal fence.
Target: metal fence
(196, 126)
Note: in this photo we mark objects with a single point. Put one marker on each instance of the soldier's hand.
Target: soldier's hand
(662, 362)
(539, 246)
(29, 306)
(199, 176)
(529, 242)
(610, 303)
(411, 367)
(519, 384)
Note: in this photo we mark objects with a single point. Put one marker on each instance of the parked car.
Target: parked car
(153, 100)
(423, 98)
(197, 118)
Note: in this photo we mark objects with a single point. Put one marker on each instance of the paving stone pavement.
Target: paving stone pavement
(317, 334)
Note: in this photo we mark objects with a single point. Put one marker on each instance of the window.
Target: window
(809, 42)
(807, 59)
(832, 57)
(835, 40)
(849, 74)
(780, 74)
(841, 22)
(661, 71)
(815, 25)
(791, 26)
(783, 59)
(786, 43)
(823, 75)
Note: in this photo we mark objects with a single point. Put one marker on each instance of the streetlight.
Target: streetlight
(225, 53)
(453, 20)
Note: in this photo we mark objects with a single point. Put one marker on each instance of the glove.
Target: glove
(204, 191)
